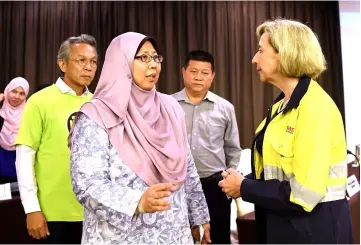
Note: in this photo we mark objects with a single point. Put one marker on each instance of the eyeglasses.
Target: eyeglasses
(147, 58)
(84, 62)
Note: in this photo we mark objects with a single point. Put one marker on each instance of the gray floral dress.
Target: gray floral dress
(110, 193)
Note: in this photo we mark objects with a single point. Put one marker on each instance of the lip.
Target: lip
(85, 76)
(152, 79)
(151, 75)
(259, 69)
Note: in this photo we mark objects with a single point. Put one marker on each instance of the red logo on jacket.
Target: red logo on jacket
(290, 130)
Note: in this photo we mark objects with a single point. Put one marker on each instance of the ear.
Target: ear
(62, 65)
(183, 72)
(213, 75)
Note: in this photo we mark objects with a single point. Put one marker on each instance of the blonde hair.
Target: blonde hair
(298, 48)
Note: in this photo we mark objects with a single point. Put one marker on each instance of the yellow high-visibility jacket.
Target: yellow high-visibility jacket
(305, 145)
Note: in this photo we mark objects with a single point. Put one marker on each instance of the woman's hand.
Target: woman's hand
(196, 233)
(2, 96)
(155, 198)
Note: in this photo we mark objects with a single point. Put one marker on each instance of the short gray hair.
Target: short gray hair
(64, 52)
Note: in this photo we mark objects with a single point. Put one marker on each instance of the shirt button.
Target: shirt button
(193, 148)
(195, 133)
(129, 76)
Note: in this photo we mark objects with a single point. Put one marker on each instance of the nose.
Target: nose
(88, 66)
(254, 60)
(152, 63)
(198, 76)
(17, 96)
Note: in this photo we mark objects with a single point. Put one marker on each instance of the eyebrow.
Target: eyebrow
(83, 56)
(18, 91)
(147, 52)
(202, 70)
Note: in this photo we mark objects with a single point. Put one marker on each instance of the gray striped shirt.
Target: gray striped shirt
(212, 133)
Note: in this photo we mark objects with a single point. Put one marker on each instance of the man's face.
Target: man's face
(198, 76)
(80, 68)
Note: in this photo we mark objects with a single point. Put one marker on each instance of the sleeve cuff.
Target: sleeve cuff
(201, 222)
(31, 205)
(137, 195)
(243, 188)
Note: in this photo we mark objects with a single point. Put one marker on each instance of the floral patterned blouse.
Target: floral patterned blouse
(110, 192)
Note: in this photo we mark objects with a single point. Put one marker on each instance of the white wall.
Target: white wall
(351, 62)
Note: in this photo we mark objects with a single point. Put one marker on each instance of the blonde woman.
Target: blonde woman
(299, 168)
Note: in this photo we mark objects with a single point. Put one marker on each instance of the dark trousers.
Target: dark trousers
(219, 209)
(64, 233)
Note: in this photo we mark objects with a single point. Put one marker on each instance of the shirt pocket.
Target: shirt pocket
(284, 156)
(216, 129)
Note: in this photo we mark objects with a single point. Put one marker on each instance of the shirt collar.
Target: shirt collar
(210, 96)
(297, 94)
(182, 96)
(65, 89)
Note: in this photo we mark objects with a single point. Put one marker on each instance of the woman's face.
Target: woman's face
(16, 96)
(266, 59)
(146, 74)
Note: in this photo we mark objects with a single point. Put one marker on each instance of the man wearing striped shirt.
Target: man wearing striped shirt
(213, 137)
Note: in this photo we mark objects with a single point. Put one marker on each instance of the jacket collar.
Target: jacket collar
(297, 94)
